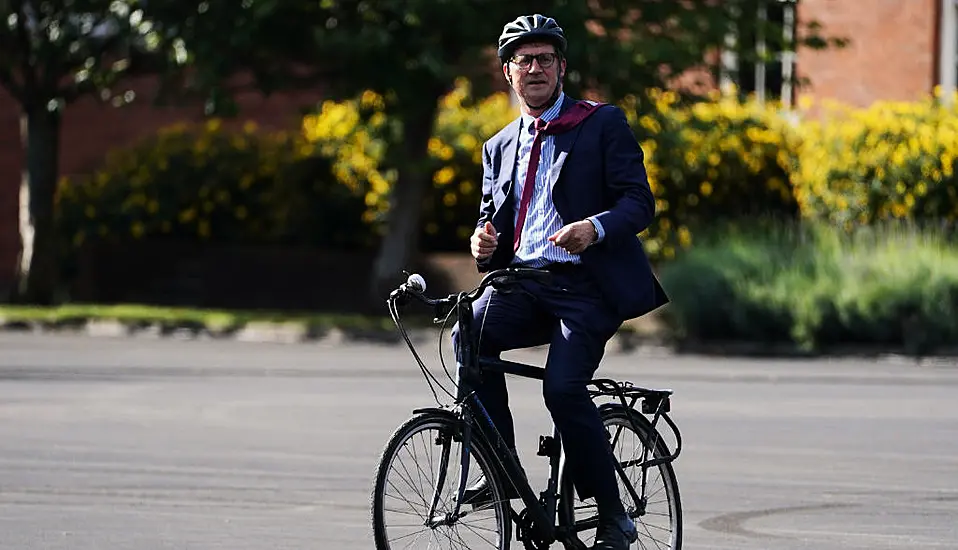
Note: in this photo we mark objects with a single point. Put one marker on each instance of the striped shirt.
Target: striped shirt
(542, 219)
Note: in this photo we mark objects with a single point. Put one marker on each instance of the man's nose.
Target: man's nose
(534, 67)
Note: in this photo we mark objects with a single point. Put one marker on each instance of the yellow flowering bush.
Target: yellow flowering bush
(211, 184)
(707, 162)
(710, 162)
(355, 133)
(463, 124)
(891, 161)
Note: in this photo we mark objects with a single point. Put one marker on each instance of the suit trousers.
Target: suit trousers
(570, 315)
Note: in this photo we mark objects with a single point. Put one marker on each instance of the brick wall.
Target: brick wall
(892, 55)
(91, 129)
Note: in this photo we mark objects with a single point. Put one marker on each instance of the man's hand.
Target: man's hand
(575, 237)
(484, 241)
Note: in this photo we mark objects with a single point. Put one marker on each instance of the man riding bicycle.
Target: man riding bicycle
(565, 190)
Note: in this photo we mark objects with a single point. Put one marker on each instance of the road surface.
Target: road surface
(138, 443)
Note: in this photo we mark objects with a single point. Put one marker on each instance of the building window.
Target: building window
(759, 63)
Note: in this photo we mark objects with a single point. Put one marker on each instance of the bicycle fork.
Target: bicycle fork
(433, 520)
(465, 439)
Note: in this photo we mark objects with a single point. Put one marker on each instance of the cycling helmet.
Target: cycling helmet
(529, 28)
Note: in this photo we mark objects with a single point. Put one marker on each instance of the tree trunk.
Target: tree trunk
(37, 270)
(411, 157)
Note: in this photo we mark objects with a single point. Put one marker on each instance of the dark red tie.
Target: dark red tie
(530, 182)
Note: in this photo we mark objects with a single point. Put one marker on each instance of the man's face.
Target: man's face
(534, 83)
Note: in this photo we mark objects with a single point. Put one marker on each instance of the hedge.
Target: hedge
(209, 183)
(816, 287)
(890, 161)
(710, 162)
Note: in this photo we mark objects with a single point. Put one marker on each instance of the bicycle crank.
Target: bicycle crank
(525, 532)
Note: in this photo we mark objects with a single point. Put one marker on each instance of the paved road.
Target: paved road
(163, 444)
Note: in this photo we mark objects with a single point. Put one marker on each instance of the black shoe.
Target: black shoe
(616, 533)
(478, 494)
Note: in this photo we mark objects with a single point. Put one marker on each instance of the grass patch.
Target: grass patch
(814, 287)
(212, 319)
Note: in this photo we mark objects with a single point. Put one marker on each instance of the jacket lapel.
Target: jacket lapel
(506, 177)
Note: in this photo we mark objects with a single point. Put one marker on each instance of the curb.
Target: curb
(763, 350)
(626, 341)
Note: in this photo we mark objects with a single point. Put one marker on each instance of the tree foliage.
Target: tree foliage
(409, 51)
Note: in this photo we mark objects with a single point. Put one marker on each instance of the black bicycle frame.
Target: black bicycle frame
(470, 368)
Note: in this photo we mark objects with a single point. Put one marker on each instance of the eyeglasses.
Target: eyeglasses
(524, 61)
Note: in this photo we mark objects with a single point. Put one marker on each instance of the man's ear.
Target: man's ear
(505, 73)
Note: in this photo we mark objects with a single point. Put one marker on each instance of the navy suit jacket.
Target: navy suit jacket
(598, 169)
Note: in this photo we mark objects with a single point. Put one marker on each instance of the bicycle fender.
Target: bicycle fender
(435, 410)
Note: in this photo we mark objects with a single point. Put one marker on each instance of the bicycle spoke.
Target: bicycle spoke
(490, 543)
(656, 520)
(410, 476)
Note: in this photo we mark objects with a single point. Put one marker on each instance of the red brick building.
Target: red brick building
(899, 50)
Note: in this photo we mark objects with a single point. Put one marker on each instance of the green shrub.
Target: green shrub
(214, 185)
(894, 286)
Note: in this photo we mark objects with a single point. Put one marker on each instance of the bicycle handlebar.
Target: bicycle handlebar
(415, 286)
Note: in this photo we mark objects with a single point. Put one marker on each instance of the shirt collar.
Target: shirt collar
(549, 114)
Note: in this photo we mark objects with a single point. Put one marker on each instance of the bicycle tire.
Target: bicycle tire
(445, 424)
(617, 415)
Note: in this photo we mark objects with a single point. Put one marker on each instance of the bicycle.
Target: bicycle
(553, 515)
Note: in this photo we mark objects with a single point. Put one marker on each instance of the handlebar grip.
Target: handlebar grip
(416, 283)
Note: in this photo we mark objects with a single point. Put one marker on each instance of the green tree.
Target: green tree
(54, 53)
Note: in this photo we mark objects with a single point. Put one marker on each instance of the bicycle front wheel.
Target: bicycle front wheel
(659, 519)
(414, 497)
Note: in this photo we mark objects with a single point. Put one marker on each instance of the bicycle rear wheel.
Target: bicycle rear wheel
(660, 526)
(422, 453)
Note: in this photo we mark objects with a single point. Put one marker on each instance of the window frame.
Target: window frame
(729, 65)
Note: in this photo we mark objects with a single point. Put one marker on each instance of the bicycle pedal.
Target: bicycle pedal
(548, 446)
